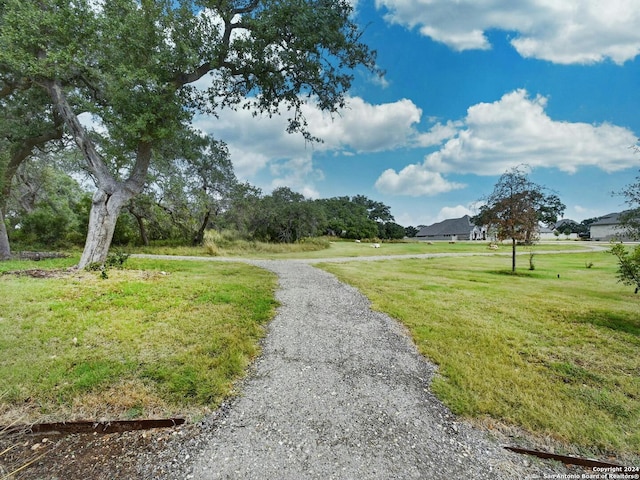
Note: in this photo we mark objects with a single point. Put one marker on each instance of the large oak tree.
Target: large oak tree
(192, 185)
(133, 65)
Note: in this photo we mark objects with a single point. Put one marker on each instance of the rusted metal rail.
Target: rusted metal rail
(583, 462)
(115, 426)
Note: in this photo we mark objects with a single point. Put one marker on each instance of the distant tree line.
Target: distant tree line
(582, 229)
(195, 191)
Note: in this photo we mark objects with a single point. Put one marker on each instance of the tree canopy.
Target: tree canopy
(516, 207)
(132, 65)
(191, 182)
(629, 261)
(348, 217)
(628, 264)
(27, 125)
(47, 207)
(631, 218)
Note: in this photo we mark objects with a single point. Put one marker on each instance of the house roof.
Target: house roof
(453, 226)
(565, 222)
(609, 219)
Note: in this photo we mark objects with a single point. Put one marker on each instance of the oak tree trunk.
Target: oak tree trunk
(199, 236)
(143, 230)
(5, 249)
(104, 213)
(111, 194)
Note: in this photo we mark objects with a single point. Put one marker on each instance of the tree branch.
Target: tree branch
(250, 7)
(25, 150)
(8, 87)
(135, 182)
(94, 161)
(225, 42)
(6, 90)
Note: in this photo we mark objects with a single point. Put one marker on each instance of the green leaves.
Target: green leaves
(132, 65)
(628, 264)
(517, 205)
(46, 39)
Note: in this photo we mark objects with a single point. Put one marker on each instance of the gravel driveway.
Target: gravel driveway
(340, 392)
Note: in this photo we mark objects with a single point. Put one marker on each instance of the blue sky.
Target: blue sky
(472, 88)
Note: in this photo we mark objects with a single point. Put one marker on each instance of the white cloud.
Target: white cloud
(364, 127)
(260, 142)
(578, 213)
(96, 6)
(423, 218)
(577, 31)
(377, 78)
(454, 212)
(438, 133)
(298, 174)
(512, 131)
(92, 123)
(254, 142)
(414, 180)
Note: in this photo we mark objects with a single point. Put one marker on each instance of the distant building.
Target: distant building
(547, 233)
(556, 232)
(453, 230)
(561, 225)
(609, 228)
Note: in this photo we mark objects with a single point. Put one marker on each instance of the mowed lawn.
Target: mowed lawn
(156, 339)
(312, 249)
(555, 350)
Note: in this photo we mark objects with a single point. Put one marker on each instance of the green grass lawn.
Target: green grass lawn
(344, 248)
(156, 339)
(555, 350)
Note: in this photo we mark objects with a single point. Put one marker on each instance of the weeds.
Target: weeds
(114, 260)
(9, 467)
(230, 243)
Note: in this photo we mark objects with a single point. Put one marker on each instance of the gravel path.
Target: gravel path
(340, 392)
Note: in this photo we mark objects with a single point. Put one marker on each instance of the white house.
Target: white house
(608, 228)
(453, 229)
(546, 233)
(555, 232)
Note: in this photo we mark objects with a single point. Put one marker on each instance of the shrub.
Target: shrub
(628, 264)
(114, 260)
(230, 242)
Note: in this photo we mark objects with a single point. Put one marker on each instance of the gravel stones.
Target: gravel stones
(340, 392)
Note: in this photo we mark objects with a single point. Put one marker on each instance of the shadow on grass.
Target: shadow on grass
(571, 373)
(614, 321)
(517, 273)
